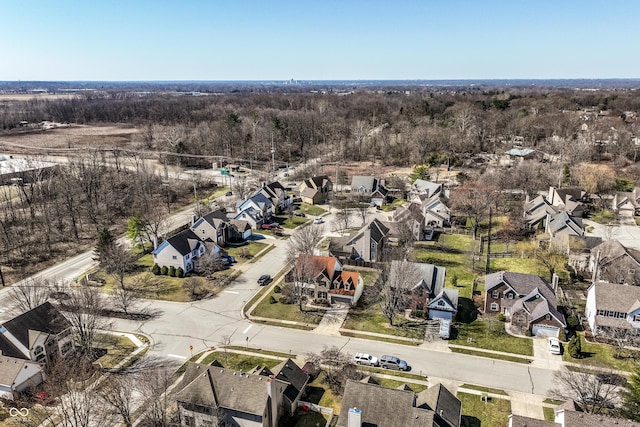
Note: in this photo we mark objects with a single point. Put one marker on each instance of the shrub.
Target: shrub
(180, 272)
(501, 317)
(562, 336)
(172, 271)
(574, 348)
(155, 269)
(164, 270)
(573, 321)
(454, 280)
(285, 300)
(277, 289)
(272, 300)
(528, 333)
(420, 314)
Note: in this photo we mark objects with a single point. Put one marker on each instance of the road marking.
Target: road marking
(232, 292)
(176, 356)
(247, 330)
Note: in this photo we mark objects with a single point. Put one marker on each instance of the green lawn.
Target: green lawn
(318, 392)
(251, 248)
(519, 265)
(396, 203)
(308, 419)
(495, 339)
(457, 264)
(308, 209)
(279, 311)
(601, 355)
(479, 353)
(484, 389)
(290, 221)
(370, 319)
(239, 362)
(118, 348)
(369, 275)
(476, 413)
(385, 382)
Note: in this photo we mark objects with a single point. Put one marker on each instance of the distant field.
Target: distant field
(29, 96)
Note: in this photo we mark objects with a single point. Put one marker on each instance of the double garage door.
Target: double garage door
(545, 330)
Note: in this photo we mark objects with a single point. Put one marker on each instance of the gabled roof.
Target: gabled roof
(10, 368)
(566, 193)
(431, 277)
(184, 242)
(520, 152)
(615, 297)
(45, 318)
(378, 230)
(584, 419)
(564, 223)
(537, 306)
(612, 250)
(218, 387)
(426, 187)
(309, 192)
(317, 181)
(214, 218)
(291, 373)
(240, 224)
(368, 183)
(411, 211)
(449, 296)
(440, 400)
(523, 284)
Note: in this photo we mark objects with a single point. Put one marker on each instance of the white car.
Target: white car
(554, 346)
(365, 359)
(318, 220)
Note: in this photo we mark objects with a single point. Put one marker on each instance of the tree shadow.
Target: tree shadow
(467, 311)
(314, 394)
(469, 421)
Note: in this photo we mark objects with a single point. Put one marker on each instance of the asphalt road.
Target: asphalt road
(203, 324)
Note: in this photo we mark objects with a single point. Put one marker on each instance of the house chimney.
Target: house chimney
(155, 242)
(355, 417)
(193, 219)
(554, 282)
(596, 266)
(273, 402)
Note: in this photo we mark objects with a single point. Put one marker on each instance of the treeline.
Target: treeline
(58, 213)
(393, 127)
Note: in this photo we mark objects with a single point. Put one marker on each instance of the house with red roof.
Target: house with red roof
(322, 278)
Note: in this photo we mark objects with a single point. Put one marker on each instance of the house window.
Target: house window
(65, 347)
(495, 294)
(601, 312)
(636, 318)
(174, 257)
(189, 421)
(547, 317)
(38, 350)
(509, 295)
(441, 303)
(494, 306)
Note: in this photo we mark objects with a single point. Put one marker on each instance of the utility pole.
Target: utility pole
(489, 243)
(273, 155)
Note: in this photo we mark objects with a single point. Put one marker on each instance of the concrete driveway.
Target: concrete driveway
(542, 358)
(626, 233)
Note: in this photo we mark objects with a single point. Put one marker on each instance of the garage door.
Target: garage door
(549, 331)
(338, 300)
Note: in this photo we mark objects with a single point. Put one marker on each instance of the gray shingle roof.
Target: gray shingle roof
(583, 419)
(520, 421)
(368, 183)
(10, 367)
(291, 373)
(44, 318)
(440, 400)
(184, 242)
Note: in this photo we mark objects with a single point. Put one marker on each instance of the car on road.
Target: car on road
(318, 220)
(365, 359)
(264, 279)
(554, 346)
(300, 214)
(393, 362)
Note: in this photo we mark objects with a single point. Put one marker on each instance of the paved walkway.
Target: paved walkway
(332, 320)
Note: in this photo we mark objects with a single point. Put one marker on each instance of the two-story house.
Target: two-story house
(278, 195)
(182, 251)
(256, 210)
(627, 204)
(526, 300)
(369, 187)
(316, 189)
(369, 243)
(213, 395)
(322, 277)
(424, 189)
(214, 226)
(610, 261)
(613, 311)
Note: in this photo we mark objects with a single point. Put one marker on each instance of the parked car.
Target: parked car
(318, 220)
(275, 225)
(228, 258)
(266, 226)
(264, 279)
(228, 193)
(392, 362)
(554, 346)
(365, 359)
(300, 214)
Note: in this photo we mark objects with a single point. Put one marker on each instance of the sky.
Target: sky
(134, 40)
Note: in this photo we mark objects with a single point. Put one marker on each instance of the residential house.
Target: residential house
(215, 227)
(182, 251)
(241, 228)
(436, 212)
(526, 300)
(428, 292)
(369, 243)
(213, 395)
(562, 225)
(322, 277)
(567, 416)
(368, 404)
(612, 262)
(278, 195)
(627, 204)
(316, 190)
(568, 199)
(257, 210)
(18, 376)
(613, 310)
(424, 189)
(412, 216)
(371, 188)
(537, 210)
(39, 335)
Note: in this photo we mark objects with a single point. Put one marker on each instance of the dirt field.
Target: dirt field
(74, 136)
(22, 97)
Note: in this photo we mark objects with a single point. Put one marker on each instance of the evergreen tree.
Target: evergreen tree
(631, 397)
(155, 269)
(105, 243)
(575, 347)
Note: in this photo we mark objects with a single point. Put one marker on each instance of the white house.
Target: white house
(613, 309)
(181, 251)
(17, 376)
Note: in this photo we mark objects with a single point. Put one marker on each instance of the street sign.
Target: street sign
(224, 171)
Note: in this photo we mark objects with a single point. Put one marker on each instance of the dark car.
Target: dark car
(228, 193)
(264, 279)
(300, 214)
(228, 258)
(392, 362)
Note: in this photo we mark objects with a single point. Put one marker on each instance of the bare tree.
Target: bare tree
(156, 386)
(473, 199)
(192, 285)
(550, 254)
(394, 295)
(585, 388)
(338, 367)
(126, 301)
(118, 261)
(117, 393)
(300, 247)
(30, 293)
(85, 311)
(303, 241)
(343, 218)
(225, 342)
